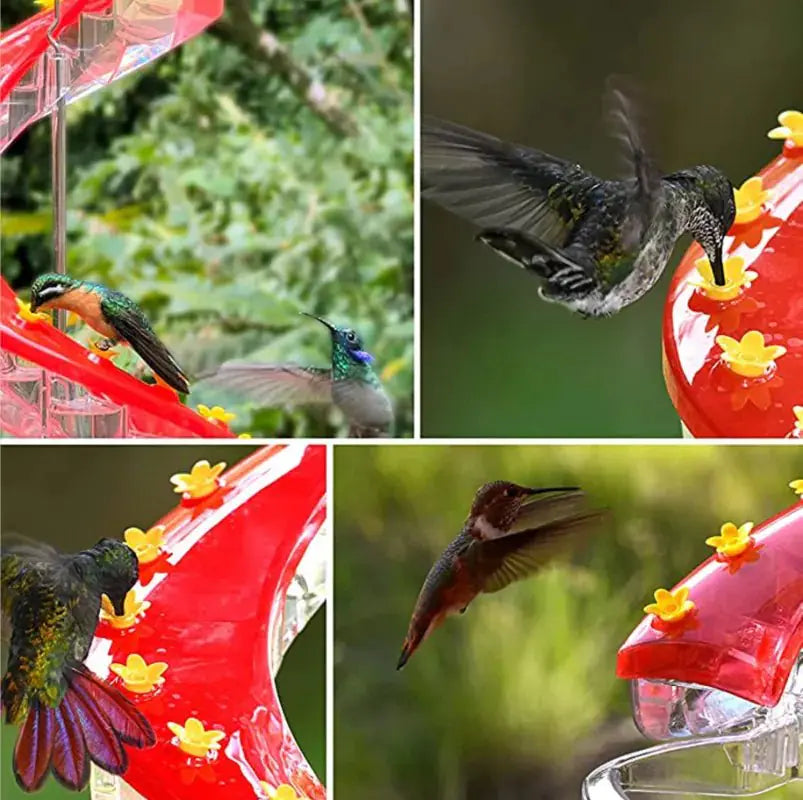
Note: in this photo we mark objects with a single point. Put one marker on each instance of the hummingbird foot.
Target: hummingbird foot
(104, 344)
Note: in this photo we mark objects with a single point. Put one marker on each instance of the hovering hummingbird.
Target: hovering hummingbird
(598, 245)
(68, 715)
(510, 533)
(114, 316)
(350, 383)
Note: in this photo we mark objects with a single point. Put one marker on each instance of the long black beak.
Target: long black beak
(34, 303)
(552, 489)
(716, 267)
(118, 604)
(321, 320)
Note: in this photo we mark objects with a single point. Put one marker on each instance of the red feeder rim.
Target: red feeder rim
(216, 599)
(746, 630)
(152, 410)
(711, 398)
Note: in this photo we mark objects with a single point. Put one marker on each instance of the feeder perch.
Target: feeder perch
(237, 581)
(722, 686)
(733, 355)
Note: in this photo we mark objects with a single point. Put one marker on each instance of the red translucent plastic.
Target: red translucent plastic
(711, 400)
(100, 40)
(152, 410)
(217, 594)
(746, 631)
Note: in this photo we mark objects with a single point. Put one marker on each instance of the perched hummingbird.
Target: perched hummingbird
(68, 715)
(510, 533)
(350, 383)
(598, 245)
(114, 316)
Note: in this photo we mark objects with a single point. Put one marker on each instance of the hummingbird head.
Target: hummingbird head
(713, 213)
(115, 569)
(347, 340)
(499, 502)
(50, 287)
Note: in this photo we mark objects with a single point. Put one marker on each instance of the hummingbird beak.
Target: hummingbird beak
(118, 604)
(551, 489)
(321, 320)
(717, 269)
(34, 303)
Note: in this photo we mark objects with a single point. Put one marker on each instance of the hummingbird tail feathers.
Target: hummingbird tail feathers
(561, 273)
(90, 724)
(408, 648)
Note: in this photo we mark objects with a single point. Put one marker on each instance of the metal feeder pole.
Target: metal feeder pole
(58, 142)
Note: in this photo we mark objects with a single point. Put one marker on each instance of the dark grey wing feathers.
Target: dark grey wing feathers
(134, 328)
(643, 178)
(275, 384)
(521, 554)
(498, 185)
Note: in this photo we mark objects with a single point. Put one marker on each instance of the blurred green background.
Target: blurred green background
(66, 496)
(212, 190)
(518, 697)
(496, 360)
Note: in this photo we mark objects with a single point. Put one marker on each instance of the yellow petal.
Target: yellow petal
(134, 537)
(681, 595)
(193, 728)
(753, 343)
(154, 671)
(791, 119)
(136, 663)
(728, 344)
(175, 728)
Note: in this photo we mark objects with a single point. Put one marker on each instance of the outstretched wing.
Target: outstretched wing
(500, 185)
(517, 556)
(643, 177)
(133, 327)
(275, 384)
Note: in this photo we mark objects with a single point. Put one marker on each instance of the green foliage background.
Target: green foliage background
(75, 475)
(517, 698)
(209, 190)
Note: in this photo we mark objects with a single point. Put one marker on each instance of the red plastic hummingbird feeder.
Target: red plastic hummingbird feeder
(733, 356)
(717, 671)
(97, 42)
(207, 625)
(49, 385)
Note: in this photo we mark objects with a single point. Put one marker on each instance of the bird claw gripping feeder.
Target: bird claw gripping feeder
(733, 355)
(227, 580)
(716, 673)
(48, 387)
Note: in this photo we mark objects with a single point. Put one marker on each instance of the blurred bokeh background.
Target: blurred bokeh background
(214, 191)
(496, 360)
(518, 697)
(71, 496)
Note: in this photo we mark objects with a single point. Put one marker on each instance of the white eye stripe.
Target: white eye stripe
(51, 291)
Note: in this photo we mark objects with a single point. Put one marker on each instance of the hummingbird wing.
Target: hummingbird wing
(512, 558)
(500, 185)
(644, 178)
(275, 384)
(545, 509)
(133, 327)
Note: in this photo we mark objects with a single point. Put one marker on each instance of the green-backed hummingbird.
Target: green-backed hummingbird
(510, 533)
(68, 716)
(350, 383)
(114, 316)
(597, 245)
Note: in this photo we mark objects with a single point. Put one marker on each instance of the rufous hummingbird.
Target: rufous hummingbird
(510, 533)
